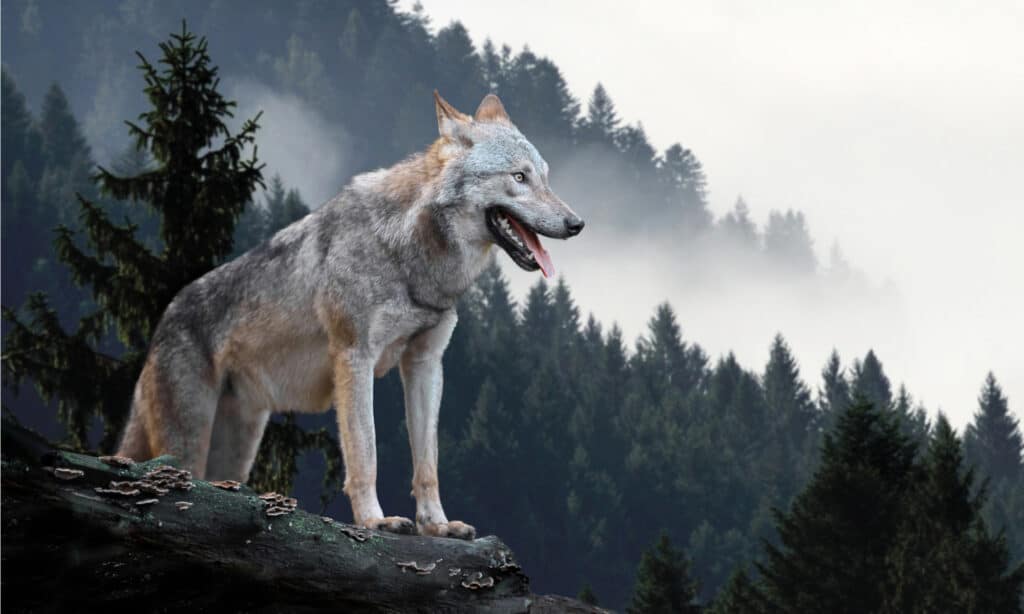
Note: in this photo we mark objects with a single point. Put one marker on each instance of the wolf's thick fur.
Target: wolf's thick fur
(366, 282)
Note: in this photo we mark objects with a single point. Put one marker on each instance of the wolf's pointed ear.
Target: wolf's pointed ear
(491, 110)
(449, 120)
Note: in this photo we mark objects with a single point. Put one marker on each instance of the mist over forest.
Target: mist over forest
(646, 430)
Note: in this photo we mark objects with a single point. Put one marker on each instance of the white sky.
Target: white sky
(897, 127)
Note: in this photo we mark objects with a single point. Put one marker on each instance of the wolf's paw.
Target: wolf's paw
(391, 524)
(452, 528)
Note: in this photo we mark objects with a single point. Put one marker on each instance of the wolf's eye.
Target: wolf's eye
(519, 177)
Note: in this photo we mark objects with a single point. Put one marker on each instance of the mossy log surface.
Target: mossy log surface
(67, 547)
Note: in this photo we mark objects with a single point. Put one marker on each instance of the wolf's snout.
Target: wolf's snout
(574, 225)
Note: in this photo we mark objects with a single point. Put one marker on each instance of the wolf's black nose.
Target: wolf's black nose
(574, 226)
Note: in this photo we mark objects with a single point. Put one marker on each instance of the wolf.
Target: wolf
(368, 281)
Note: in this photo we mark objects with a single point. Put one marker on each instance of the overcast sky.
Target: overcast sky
(897, 127)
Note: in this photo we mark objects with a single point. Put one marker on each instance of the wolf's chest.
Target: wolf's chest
(391, 330)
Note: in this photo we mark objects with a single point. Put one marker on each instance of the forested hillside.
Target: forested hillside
(579, 447)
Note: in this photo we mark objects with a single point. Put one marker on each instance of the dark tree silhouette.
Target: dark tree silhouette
(993, 439)
(663, 584)
(198, 186)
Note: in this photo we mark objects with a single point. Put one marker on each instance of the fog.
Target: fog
(894, 126)
(294, 141)
(727, 295)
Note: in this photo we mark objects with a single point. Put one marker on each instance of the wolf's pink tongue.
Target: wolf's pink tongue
(533, 242)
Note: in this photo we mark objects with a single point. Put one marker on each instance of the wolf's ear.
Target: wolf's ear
(450, 122)
(491, 110)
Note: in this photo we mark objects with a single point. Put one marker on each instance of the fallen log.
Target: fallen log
(82, 533)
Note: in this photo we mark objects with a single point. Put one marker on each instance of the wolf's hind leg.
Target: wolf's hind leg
(135, 440)
(237, 431)
(173, 409)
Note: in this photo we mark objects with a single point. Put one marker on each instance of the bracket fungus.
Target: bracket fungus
(477, 581)
(277, 504)
(63, 473)
(117, 461)
(226, 484)
(413, 565)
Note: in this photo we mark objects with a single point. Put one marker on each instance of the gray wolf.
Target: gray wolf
(366, 282)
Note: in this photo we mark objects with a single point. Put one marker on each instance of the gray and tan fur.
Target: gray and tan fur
(366, 282)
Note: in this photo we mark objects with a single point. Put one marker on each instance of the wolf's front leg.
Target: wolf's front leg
(353, 384)
(422, 378)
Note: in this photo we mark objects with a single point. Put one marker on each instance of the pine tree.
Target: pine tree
(538, 97)
(739, 596)
(788, 243)
(62, 138)
(67, 158)
(870, 383)
(785, 393)
(567, 319)
(294, 209)
(198, 186)
(835, 539)
(494, 68)
(792, 416)
(993, 439)
(601, 123)
(668, 361)
(944, 559)
(457, 66)
(913, 420)
(663, 583)
(685, 184)
(21, 140)
(538, 322)
(834, 396)
(26, 229)
(737, 227)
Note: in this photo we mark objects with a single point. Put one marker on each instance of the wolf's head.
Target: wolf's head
(500, 182)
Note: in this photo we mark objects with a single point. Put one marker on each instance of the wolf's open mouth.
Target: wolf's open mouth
(521, 243)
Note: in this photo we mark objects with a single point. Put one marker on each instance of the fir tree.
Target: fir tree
(198, 186)
(913, 420)
(834, 395)
(785, 393)
(739, 596)
(944, 559)
(537, 96)
(870, 383)
(494, 68)
(789, 400)
(993, 439)
(737, 228)
(835, 539)
(63, 142)
(682, 175)
(459, 73)
(26, 228)
(788, 243)
(293, 209)
(67, 159)
(601, 123)
(21, 140)
(663, 583)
